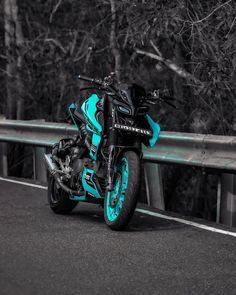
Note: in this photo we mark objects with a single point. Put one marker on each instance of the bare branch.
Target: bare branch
(73, 45)
(230, 28)
(55, 10)
(78, 58)
(171, 65)
(156, 48)
(7, 73)
(3, 56)
(57, 43)
(213, 11)
(149, 54)
(102, 49)
(113, 42)
(82, 46)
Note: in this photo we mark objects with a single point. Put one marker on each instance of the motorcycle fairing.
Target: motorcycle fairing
(78, 198)
(96, 139)
(90, 111)
(155, 131)
(88, 182)
(72, 108)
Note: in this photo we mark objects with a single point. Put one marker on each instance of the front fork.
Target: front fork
(112, 149)
(110, 168)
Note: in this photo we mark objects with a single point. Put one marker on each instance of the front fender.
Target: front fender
(155, 131)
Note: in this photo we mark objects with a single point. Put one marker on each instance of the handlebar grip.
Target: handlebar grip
(81, 77)
(91, 80)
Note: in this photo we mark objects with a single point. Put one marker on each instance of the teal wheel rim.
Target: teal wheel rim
(115, 199)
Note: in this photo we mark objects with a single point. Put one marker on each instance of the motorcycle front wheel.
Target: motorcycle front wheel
(121, 202)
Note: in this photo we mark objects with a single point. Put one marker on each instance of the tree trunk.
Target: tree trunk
(14, 46)
(178, 81)
(15, 102)
(113, 41)
(10, 66)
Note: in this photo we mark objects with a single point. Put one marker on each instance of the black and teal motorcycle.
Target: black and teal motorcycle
(102, 164)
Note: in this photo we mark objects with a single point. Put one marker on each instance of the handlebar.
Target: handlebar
(105, 84)
(160, 95)
(87, 79)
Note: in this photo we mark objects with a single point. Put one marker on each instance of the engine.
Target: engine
(72, 158)
(77, 165)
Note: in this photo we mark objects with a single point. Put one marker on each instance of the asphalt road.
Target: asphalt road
(44, 253)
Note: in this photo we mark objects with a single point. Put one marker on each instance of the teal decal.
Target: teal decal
(118, 194)
(96, 139)
(72, 107)
(89, 108)
(88, 183)
(78, 198)
(155, 131)
(89, 128)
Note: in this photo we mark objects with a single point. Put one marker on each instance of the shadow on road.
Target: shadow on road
(88, 215)
(139, 222)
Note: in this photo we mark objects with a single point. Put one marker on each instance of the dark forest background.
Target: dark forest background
(186, 47)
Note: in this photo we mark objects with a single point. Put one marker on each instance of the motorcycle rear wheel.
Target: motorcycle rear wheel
(121, 202)
(58, 199)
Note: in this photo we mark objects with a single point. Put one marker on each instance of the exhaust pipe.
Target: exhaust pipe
(52, 167)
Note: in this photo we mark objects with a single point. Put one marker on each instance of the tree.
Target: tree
(14, 50)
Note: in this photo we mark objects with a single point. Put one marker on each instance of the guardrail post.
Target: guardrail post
(3, 160)
(218, 204)
(3, 156)
(228, 199)
(40, 173)
(154, 187)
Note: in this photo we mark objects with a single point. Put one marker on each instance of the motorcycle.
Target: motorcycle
(102, 164)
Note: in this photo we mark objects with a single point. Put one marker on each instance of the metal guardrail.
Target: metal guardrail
(37, 133)
(205, 151)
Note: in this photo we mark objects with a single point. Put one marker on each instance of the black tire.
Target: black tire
(131, 194)
(59, 199)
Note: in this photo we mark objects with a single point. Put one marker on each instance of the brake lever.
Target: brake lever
(170, 104)
(92, 88)
(151, 101)
(155, 100)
